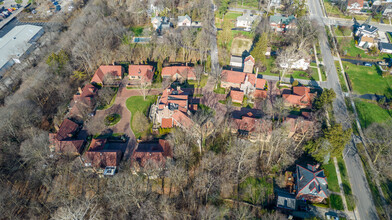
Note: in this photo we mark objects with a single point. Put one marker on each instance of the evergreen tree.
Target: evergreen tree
(260, 48)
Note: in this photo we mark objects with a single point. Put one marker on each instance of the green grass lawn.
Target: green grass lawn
(368, 80)
(245, 4)
(338, 32)
(220, 90)
(112, 119)
(137, 31)
(334, 11)
(346, 184)
(203, 82)
(330, 173)
(336, 202)
(136, 103)
(369, 112)
(341, 77)
(230, 16)
(353, 51)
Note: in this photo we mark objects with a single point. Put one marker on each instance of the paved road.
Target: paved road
(349, 22)
(302, 81)
(360, 187)
(214, 45)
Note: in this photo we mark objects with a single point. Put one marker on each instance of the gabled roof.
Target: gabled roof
(102, 159)
(155, 151)
(236, 59)
(247, 17)
(97, 144)
(184, 71)
(368, 28)
(69, 146)
(233, 76)
(246, 123)
(386, 46)
(360, 2)
(146, 72)
(181, 119)
(182, 18)
(167, 123)
(250, 57)
(279, 19)
(301, 96)
(300, 90)
(102, 71)
(367, 39)
(260, 83)
(260, 93)
(67, 129)
(237, 96)
(311, 182)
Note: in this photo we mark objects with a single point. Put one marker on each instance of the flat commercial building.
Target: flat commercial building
(17, 43)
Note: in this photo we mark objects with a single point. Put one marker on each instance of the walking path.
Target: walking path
(335, 161)
(317, 63)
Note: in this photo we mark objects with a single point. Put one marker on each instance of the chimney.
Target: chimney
(178, 88)
(317, 166)
(79, 90)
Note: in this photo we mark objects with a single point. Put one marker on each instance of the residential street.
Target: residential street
(360, 187)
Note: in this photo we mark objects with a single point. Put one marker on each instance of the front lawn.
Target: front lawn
(336, 202)
(368, 80)
(330, 173)
(203, 82)
(230, 17)
(369, 112)
(137, 103)
(353, 51)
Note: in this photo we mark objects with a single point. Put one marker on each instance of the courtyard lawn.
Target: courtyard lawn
(330, 173)
(336, 202)
(136, 103)
(368, 80)
(369, 112)
(112, 119)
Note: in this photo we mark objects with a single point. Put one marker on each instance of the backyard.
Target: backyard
(369, 112)
(368, 80)
(137, 104)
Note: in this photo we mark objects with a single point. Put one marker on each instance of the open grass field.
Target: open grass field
(368, 80)
(369, 112)
(136, 103)
(230, 17)
(336, 202)
(330, 173)
(239, 45)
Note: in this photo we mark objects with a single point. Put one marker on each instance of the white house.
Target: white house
(184, 21)
(300, 64)
(354, 6)
(387, 11)
(385, 47)
(366, 30)
(246, 20)
(236, 61)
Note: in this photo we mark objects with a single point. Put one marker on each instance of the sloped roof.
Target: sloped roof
(184, 71)
(386, 46)
(260, 83)
(102, 71)
(360, 2)
(182, 18)
(233, 76)
(247, 17)
(250, 57)
(368, 28)
(155, 151)
(167, 123)
(246, 123)
(260, 93)
(67, 129)
(282, 19)
(367, 39)
(69, 146)
(300, 90)
(97, 144)
(237, 96)
(181, 119)
(312, 182)
(146, 72)
(102, 159)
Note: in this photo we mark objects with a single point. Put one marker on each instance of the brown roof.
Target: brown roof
(261, 94)
(260, 83)
(301, 90)
(97, 144)
(367, 39)
(102, 159)
(102, 71)
(246, 123)
(146, 72)
(185, 71)
(67, 129)
(237, 96)
(155, 151)
(181, 119)
(301, 96)
(233, 76)
(69, 146)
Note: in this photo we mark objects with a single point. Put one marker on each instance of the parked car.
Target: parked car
(367, 64)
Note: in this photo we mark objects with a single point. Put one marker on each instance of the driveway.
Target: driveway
(123, 126)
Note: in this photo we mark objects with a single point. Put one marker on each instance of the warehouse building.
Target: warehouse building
(18, 43)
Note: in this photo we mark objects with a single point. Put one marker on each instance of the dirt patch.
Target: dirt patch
(240, 45)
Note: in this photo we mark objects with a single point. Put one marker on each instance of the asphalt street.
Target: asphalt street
(360, 187)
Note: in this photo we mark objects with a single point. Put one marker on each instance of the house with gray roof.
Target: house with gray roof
(184, 21)
(366, 30)
(385, 47)
(246, 20)
(160, 23)
(286, 201)
(281, 23)
(311, 184)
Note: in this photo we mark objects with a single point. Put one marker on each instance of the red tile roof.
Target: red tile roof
(181, 119)
(237, 96)
(233, 76)
(360, 2)
(154, 151)
(250, 57)
(102, 71)
(67, 129)
(246, 123)
(301, 96)
(300, 90)
(184, 71)
(146, 72)
(261, 94)
(260, 83)
(102, 159)
(167, 123)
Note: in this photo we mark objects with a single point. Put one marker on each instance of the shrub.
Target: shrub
(112, 119)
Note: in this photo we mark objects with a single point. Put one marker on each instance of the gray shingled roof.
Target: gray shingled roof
(310, 181)
(386, 46)
(282, 19)
(286, 201)
(369, 28)
(247, 17)
(182, 18)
